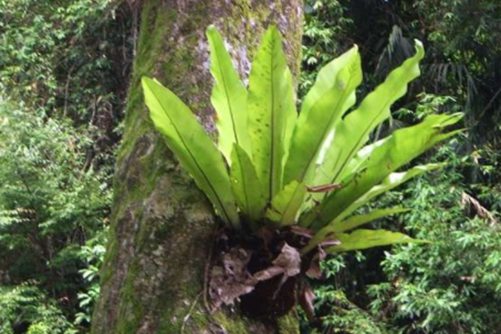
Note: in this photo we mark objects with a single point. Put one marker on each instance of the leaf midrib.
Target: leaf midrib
(272, 125)
(226, 93)
(235, 133)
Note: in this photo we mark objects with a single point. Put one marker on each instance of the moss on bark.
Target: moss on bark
(162, 226)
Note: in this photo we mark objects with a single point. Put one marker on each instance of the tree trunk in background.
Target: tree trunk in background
(162, 226)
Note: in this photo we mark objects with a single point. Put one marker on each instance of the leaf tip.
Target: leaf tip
(273, 33)
(211, 32)
(148, 82)
(419, 48)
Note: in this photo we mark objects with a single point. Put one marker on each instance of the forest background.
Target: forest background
(64, 71)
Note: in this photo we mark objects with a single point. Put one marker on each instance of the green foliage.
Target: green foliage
(63, 75)
(53, 56)
(465, 58)
(93, 254)
(245, 184)
(53, 189)
(287, 155)
(326, 32)
(453, 284)
(72, 57)
(52, 199)
(343, 316)
(26, 309)
(427, 289)
(462, 41)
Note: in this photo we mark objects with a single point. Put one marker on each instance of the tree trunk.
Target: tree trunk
(162, 227)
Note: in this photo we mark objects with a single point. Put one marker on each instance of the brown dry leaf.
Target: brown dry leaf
(482, 212)
(267, 273)
(302, 231)
(314, 270)
(235, 262)
(324, 188)
(231, 280)
(330, 242)
(306, 299)
(288, 263)
(289, 259)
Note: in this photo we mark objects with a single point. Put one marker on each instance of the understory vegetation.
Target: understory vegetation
(64, 68)
(63, 74)
(451, 285)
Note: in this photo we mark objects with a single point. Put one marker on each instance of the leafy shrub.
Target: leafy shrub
(453, 284)
(460, 62)
(93, 254)
(59, 56)
(52, 201)
(448, 286)
(25, 309)
(63, 75)
(325, 33)
(342, 316)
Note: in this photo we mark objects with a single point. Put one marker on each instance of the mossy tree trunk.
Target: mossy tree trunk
(162, 227)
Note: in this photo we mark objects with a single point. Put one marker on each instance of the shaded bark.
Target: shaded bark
(162, 226)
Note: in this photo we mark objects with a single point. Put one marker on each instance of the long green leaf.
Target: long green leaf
(334, 213)
(351, 133)
(350, 223)
(360, 159)
(245, 184)
(331, 95)
(229, 98)
(395, 151)
(271, 109)
(363, 239)
(192, 146)
(285, 205)
(358, 220)
(390, 182)
(432, 124)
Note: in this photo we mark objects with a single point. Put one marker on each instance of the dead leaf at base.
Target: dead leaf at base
(231, 279)
(264, 273)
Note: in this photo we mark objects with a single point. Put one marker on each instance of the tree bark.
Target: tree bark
(162, 227)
